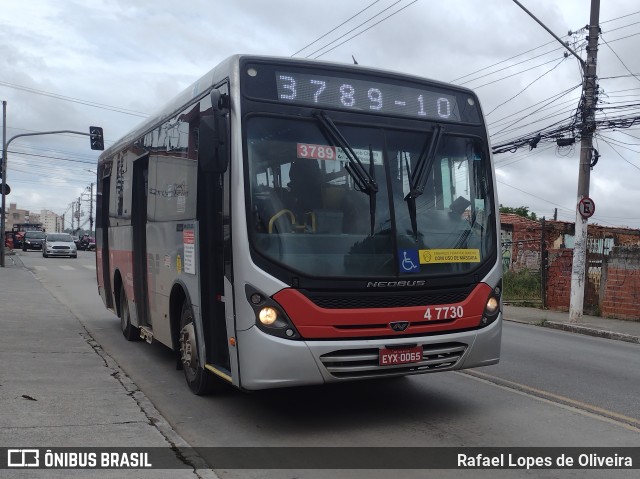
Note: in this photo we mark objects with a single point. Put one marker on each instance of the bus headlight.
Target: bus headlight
(492, 308)
(492, 305)
(270, 317)
(267, 316)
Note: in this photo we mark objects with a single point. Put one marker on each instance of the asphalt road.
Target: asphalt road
(551, 388)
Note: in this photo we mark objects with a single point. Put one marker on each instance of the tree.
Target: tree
(520, 211)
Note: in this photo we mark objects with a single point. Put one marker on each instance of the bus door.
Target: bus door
(102, 237)
(139, 227)
(211, 214)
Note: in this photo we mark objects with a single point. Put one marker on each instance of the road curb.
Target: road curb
(574, 328)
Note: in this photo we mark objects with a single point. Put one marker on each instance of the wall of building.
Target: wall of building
(559, 279)
(620, 284)
(612, 286)
(15, 216)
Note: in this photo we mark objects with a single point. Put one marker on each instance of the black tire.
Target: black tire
(129, 331)
(200, 381)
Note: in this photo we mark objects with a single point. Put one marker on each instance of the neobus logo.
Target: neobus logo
(394, 284)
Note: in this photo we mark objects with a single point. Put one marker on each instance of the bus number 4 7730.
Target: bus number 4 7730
(444, 312)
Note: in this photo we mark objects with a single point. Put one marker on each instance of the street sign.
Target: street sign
(586, 207)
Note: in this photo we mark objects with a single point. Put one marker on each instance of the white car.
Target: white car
(59, 244)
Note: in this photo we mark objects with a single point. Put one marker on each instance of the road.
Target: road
(551, 388)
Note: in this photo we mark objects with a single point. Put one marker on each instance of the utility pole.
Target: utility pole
(3, 184)
(589, 99)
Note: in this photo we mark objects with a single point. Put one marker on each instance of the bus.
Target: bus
(22, 227)
(286, 222)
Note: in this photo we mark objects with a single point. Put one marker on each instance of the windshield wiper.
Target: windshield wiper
(418, 178)
(364, 181)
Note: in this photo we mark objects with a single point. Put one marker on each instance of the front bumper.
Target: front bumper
(269, 362)
(60, 252)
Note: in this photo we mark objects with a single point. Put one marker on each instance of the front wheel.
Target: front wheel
(200, 381)
(129, 331)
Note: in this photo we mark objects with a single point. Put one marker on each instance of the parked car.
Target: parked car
(33, 240)
(59, 244)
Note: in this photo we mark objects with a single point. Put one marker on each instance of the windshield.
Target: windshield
(308, 214)
(34, 235)
(61, 237)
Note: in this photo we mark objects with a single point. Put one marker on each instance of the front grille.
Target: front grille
(363, 363)
(61, 247)
(387, 299)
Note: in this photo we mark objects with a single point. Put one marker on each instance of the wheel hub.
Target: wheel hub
(188, 354)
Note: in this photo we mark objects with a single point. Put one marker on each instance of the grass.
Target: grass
(522, 286)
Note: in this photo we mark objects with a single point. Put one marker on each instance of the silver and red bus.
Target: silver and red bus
(287, 222)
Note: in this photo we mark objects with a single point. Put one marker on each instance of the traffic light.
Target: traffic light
(7, 189)
(96, 137)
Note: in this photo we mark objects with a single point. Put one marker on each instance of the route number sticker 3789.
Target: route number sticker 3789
(444, 312)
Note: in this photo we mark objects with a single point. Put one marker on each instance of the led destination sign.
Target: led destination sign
(362, 95)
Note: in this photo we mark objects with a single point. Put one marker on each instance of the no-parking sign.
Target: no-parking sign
(586, 207)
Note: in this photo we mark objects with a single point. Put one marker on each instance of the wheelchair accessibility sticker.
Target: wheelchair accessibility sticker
(408, 260)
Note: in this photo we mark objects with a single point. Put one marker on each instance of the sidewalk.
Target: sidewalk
(58, 388)
(617, 329)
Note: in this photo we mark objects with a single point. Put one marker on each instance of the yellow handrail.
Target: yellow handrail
(278, 215)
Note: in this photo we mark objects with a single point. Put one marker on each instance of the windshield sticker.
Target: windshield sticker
(408, 261)
(326, 152)
(434, 256)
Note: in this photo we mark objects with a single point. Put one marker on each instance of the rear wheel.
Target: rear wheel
(200, 381)
(129, 331)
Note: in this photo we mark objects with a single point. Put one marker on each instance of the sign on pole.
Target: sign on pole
(586, 207)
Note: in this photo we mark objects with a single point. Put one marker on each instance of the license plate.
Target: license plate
(389, 357)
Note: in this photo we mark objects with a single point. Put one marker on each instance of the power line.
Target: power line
(552, 99)
(522, 91)
(334, 29)
(619, 154)
(618, 18)
(75, 100)
(547, 106)
(618, 57)
(363, 31)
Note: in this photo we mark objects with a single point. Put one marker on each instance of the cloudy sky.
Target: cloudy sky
(65, 65)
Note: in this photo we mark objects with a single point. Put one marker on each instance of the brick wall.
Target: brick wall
(559, 279)
(620, 284)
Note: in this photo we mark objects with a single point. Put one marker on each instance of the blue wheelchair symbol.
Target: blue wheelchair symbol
(408, 260)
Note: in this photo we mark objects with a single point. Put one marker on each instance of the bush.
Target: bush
(522, 285)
